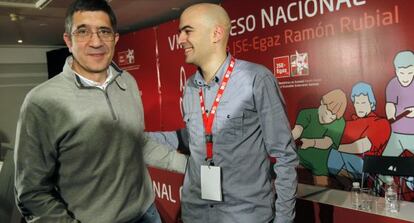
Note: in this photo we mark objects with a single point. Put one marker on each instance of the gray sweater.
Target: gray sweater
(81, 152)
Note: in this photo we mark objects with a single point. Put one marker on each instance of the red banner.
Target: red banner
(174, 72)
(135, 53)
(340, 43)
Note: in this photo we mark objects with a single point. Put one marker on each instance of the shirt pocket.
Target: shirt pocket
(228, 126)
(194, 126)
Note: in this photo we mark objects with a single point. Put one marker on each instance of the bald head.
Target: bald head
(204, 33)
(210, 14)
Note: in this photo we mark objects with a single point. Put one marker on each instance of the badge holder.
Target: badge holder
(211, 182)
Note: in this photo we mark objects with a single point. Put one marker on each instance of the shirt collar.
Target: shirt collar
(90, 83)
(199, 80)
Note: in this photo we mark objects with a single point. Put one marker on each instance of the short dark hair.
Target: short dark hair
(88, 5)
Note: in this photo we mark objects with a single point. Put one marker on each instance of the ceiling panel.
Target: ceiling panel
(46, 26)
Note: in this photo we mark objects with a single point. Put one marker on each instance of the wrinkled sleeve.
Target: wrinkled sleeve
(279, 144)
(35, 161)
(174, 140)
(160, 156)
(167, 138)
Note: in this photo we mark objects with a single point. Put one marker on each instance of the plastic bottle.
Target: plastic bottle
(355, 195)
(391, 197)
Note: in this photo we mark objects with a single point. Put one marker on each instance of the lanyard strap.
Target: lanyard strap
(209, 119)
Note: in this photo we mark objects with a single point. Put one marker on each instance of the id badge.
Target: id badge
(211, 183)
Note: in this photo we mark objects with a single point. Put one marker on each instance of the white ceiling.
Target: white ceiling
(20, 19)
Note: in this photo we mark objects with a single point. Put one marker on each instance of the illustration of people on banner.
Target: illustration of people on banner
(329, 145)
(365, 134)
(319, 130)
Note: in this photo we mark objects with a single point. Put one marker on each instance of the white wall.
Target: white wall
(21, 69)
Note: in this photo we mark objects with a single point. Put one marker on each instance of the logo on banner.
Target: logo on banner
(126, 57)
(126, 60)
(291, 66)
(299, 65)
(281, 66)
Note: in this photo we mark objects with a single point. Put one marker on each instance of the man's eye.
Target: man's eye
(186, 31)
(82, 32)
(105, 31)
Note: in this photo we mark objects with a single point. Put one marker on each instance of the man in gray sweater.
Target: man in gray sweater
(81, 152)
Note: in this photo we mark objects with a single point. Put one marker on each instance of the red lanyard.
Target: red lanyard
(208, 119)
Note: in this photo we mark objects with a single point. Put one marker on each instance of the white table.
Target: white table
(342, 199)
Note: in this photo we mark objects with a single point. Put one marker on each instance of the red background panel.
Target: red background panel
(144, 70)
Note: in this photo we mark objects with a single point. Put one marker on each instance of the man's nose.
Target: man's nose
(95, 39)
(181, 39)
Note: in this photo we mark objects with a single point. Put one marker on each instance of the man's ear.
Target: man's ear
(68, 41)
(116, 38)
(218, 34)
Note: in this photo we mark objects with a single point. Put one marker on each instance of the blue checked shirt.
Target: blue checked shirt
(250, 125)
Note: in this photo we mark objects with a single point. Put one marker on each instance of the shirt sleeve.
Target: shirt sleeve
(279, 144)
(35, 160)
(391, 92)
(167, 138)
(174, 140)
(160, 156)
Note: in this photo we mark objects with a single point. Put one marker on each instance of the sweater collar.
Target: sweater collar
(68, 73)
